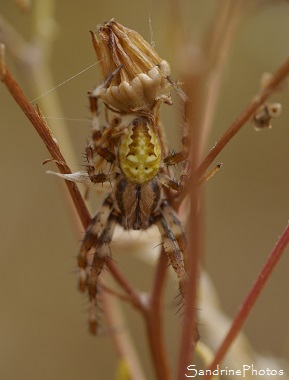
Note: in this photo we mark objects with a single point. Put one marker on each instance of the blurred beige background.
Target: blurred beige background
(43, 332)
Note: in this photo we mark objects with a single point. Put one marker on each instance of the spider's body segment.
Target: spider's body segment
(139, 152)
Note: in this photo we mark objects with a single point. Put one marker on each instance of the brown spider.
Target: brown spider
(137, 200)
(132, 143)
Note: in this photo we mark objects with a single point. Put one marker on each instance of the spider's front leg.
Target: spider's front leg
(93, 103)
(105, 154)
(93, 253)
(175, 158)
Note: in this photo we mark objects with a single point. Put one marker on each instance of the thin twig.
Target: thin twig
(188, 331)
(122, 338)
(46, 136)
(216, 50)
(245, 116)
(251, 298)
(155, 323)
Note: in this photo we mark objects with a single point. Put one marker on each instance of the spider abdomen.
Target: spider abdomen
(137, 203)
(139, 152)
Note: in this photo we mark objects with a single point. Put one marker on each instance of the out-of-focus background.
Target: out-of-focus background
(43, 332)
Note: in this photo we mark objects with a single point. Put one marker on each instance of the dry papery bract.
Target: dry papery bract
(141, 83)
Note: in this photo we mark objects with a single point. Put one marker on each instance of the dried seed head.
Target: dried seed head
(141, 81)
(265, 114)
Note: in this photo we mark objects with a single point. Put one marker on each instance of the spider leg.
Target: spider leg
(176, 227)
(91, 238)
(91, 167)
(171, 246)
(177, 157)
(175, 246)
(172, 183)
(101, 252)
(93, 253)
(93, 103)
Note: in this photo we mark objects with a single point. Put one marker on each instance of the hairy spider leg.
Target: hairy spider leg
(92, 235)
(175, 158)
(101, 248)
(174, 238)
(176, 227)
(172, 248)
(93, 102)
(93, 253)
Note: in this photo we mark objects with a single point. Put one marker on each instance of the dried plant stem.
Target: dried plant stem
(188, 331)
(216, 50)
(46, 136)
(245, 116)
(155, 323)
(251, 298)
(121, 337)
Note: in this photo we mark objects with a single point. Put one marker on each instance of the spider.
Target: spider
(132, 143)
(137, 200)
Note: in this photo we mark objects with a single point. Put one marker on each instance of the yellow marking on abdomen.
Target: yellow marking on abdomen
(139, 152)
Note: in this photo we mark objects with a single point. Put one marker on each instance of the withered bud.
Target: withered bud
(136, 77)
(265, 114)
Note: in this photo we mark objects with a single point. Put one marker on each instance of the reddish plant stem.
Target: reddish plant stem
(245, 116)
(122, 281)
(45, 134)
(251, 298)
(188, 332)
(155, 323)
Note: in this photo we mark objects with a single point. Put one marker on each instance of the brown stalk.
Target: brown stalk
(121, 337)
(250, 300)
(46, 136)
(245, 116)
(193, 83)
(155, 323)
(216, 48)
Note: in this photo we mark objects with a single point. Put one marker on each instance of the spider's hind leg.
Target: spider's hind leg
(168, 228)
(175, 246)
(176, 227)
(93, 254)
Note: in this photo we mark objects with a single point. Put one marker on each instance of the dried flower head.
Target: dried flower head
(137, 76)
(265, 114)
